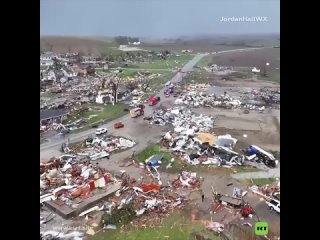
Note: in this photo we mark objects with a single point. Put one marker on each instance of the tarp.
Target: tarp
(150, 187)
(206, 138)
(226, 141)
(154, 159)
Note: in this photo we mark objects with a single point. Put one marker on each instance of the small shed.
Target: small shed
(52, 115)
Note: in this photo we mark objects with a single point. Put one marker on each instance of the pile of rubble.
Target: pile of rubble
(262, 97)
(269, 191)
(201, 99)
(192, 139)
(150, 200)
(99, 147)
(187, 180)
(184, 120)
(216, 68)
(203, 148)
(67, 178)
(196, 96)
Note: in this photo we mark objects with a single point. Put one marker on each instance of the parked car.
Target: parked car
(100, 131)
(153, 100)
(118, 125)
(274, 205)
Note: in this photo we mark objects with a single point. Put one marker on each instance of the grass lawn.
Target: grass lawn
(241, 169)
(205, 61)
(169, 63)
(111, 50)
(273, 77)
(42, 140)
(258, 181)
(175, 227)
(158, 83)
(156, 149)
(154, 49)
(130, 72)
(42, 67)
(276, 154)
(49, 95)
(108, 113)
(199, 76)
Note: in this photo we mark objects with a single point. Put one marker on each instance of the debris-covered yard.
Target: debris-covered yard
(96, 114)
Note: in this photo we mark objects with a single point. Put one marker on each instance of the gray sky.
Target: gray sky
(155, 18)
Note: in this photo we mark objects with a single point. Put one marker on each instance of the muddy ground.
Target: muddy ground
(257, 58)
(262, 129)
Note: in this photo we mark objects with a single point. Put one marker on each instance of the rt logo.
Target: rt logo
(261, 228)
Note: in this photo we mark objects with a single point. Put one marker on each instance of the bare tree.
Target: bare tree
(103, 85)
(79, 56)
(50, 46)
(114, 85)
(90, 51)
(264, 69)
(132, 85)
(91, 70)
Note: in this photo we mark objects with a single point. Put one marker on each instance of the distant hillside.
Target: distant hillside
(87, 45)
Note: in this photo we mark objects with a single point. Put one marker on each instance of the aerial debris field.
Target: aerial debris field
(145, 143)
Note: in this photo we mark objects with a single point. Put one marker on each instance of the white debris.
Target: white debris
(89, 211)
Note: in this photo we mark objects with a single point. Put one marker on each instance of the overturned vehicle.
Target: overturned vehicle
(256, 153)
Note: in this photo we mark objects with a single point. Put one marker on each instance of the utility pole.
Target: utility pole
(264, 72)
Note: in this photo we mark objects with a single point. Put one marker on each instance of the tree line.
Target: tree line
(122, 40)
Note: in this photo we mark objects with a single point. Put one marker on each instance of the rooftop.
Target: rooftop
(51, 113)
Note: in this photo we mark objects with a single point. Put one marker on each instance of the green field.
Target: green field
(152, 150)
(241, 169)
(154, 49)
(205, 61)
(272, 77)
(43, 67)
(170, 63)
(258, 181)
(130, 72)
(177, 165)
(199, 76)
(110, 49)
(175, 227)
(50, 95)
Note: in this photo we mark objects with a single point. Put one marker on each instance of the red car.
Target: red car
(118, 125)
(153, 100)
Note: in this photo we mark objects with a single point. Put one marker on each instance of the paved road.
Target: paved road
(52, 147)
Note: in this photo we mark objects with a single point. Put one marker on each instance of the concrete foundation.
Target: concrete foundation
(67, 212)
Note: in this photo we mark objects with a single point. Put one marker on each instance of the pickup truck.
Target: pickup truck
(274, 205)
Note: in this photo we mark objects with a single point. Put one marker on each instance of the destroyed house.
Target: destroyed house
(52, 115)
(232, 201)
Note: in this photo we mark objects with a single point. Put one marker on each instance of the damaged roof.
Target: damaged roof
(51, 113)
